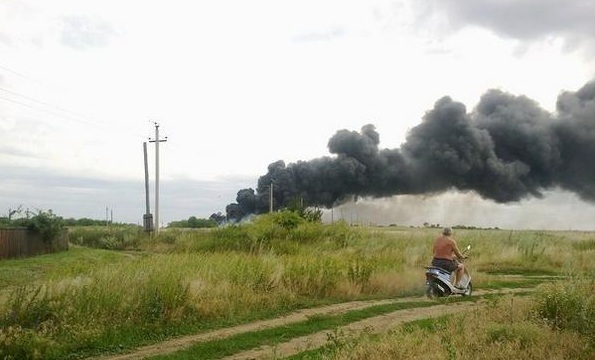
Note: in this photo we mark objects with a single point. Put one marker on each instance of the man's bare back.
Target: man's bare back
(445, 247)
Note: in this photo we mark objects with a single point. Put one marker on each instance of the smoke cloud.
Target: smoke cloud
(506, 149)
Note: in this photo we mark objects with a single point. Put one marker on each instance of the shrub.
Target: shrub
(17, 343)
(286, 219)
(568, 305)
(45, 223)
(229, 238)
(103, 237)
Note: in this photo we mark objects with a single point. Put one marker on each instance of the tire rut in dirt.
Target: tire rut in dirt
(184, 342)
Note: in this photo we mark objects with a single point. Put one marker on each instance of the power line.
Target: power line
(69, 114)
(75, 117)
(20, 74)
(59, 111)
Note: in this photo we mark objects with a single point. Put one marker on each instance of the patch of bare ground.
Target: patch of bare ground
(375, 324)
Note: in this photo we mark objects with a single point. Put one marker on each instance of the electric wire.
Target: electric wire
(59, 111)
(75, 117)
(14, 72)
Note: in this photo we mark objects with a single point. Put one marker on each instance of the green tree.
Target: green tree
(46, 223)
(193, 222)
(308, 213)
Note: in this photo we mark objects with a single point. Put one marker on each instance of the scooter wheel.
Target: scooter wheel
(429, 292)
(432, 291)
(468, 290)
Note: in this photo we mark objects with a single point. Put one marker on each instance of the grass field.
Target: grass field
(89, 301)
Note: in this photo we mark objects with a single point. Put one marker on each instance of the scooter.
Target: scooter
(440, 282)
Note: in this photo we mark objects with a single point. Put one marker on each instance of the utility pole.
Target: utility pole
(157, 141)
(271, 197)
(148, 217)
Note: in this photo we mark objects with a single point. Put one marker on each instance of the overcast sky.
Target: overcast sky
(236, 85)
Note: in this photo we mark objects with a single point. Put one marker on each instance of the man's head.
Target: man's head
(447, 231)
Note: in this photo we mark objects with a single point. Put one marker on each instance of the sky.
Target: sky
(237, 85)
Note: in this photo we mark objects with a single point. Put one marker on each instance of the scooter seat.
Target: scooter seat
(439, 269)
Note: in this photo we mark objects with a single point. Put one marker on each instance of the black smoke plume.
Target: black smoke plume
(506, 149)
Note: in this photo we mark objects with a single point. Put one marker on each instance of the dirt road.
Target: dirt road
(375, 324)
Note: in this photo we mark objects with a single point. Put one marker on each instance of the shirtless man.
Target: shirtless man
(445, 248)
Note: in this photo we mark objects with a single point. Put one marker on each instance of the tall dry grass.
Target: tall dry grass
(189, 280)
(505, 329)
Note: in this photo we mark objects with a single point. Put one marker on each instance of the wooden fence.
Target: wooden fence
(16, 243)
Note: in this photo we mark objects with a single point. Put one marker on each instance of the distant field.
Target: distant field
(90, 301)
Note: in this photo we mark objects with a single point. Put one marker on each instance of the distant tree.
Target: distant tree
(13, 212)
(178, 224)
(4, 222)
(45, 223)
(193, 222)
(83, 222)
(47, 217)
(310, 214)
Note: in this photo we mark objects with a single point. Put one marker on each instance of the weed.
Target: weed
(17, 343)
(568, 305)
(30, 306)
(584, 245)
(110, 238)
(359, 272)
(87, 300)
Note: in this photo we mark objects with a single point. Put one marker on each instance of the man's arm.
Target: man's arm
(456, 249)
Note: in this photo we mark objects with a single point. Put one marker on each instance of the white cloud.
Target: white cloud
(82, 32)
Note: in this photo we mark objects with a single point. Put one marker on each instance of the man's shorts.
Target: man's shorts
(446, 264)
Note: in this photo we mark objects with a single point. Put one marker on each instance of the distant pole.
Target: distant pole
(147, 218)
(157, 141)
(156, 178)
(271, 197)
(147, 204)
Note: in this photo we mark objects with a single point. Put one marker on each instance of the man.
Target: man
(445, 249)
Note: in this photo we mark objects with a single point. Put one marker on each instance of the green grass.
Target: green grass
(496, 284)
(184, 282)
(249, 340)
(76, 260)
(520, 269)
(507, 327)
(584, 245)
(114, 237)
(430, 325)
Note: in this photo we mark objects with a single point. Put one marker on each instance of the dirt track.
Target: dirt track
(375, 324)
